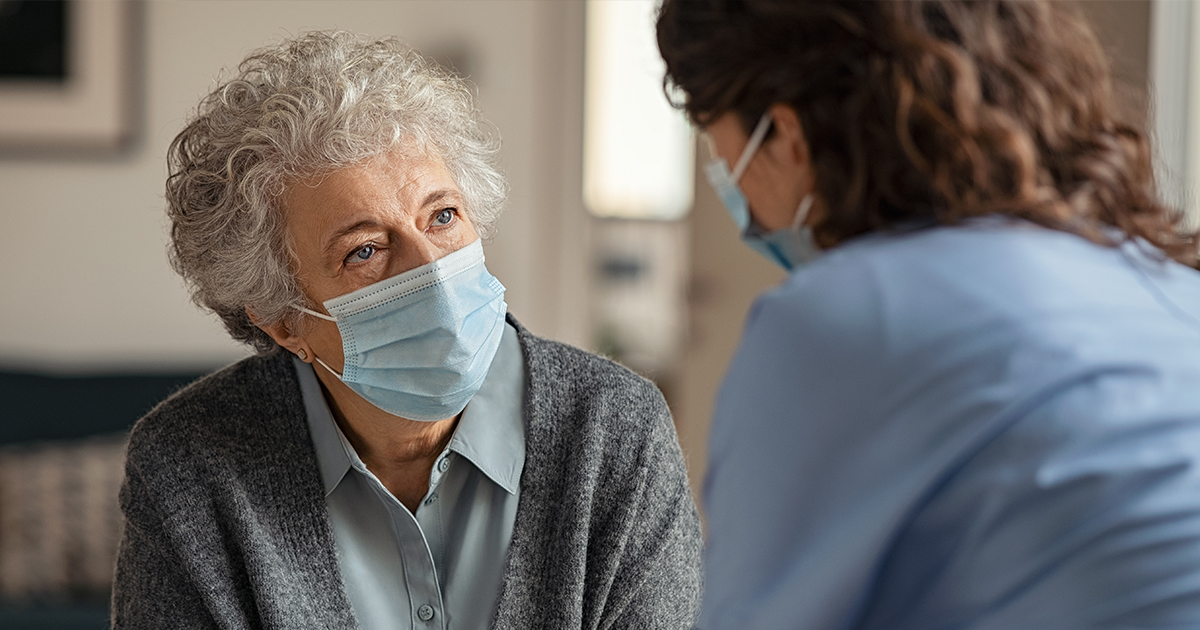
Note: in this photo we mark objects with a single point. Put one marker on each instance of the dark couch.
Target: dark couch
(41, 409)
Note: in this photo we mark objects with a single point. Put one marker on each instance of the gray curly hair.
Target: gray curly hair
(308, 106)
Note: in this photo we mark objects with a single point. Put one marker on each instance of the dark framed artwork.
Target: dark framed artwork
(66, 75)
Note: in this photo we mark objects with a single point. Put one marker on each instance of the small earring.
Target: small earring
(302, 354)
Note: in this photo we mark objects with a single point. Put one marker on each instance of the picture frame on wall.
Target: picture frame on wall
(66, 76)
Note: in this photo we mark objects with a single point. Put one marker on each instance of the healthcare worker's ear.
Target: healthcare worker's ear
(788, 145)
(790, 169)
(283, 335)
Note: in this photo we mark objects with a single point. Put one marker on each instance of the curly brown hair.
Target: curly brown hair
(932, 109)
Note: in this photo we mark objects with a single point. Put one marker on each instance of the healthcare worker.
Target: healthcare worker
(975, 401)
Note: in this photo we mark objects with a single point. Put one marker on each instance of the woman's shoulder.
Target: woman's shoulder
(235, 403)
(871, 305)
(918, 280)
(576, 398)
(565, 370)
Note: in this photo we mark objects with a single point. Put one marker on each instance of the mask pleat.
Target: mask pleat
(423, 341)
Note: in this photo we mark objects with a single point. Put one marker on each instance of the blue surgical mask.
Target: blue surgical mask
(789, 247)
(419, 344)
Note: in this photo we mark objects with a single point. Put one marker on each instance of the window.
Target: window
(639, 155)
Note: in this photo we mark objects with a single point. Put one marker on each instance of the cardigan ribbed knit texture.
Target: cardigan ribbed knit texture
(226, 524)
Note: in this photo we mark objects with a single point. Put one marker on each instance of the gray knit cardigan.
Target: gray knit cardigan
(226, 525)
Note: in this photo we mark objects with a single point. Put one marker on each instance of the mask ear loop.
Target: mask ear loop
(756, 139)
(315, 357)
(326, 366)
(806, 205)
(316, 314)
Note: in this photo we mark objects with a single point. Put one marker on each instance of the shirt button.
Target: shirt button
(431, 499)
(425, 613)
(444, 464)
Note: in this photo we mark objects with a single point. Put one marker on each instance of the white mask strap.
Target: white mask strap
(326, 366)
(756, 139)
(802, 212)
(315, 357)
(316, 314)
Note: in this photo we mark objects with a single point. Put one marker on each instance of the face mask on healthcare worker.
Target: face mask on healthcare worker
(419, 344)
(789, 247)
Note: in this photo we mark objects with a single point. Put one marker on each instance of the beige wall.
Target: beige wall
(726, 277)
(1123, 28)
(84, 282)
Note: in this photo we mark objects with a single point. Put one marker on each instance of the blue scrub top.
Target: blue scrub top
(992, 426)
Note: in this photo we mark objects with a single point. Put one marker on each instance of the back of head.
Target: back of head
(930, 110)
(296, 110)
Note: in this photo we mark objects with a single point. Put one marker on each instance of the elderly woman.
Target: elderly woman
(401, 453)
(975, 401)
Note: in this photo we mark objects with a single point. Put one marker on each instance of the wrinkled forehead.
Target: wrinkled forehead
(314, 173)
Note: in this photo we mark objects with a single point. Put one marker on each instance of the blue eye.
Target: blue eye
(444, 217)
(362, 254)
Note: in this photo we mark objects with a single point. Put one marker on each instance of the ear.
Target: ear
(789, 145)
(789, 151)
(284, 336)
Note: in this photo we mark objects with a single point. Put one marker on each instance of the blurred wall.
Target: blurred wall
(1123, 28)
(84, 282)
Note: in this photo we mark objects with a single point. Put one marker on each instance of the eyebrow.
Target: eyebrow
(333, 240)
(437, 195)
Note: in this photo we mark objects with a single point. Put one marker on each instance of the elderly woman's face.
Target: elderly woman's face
(367, 223)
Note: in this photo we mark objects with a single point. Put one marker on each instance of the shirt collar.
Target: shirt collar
(333, 457)
(490, 433)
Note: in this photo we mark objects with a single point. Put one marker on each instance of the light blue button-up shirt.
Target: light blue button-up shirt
(990, 427)
(442, 567)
